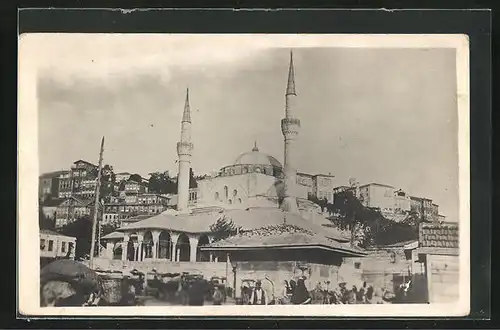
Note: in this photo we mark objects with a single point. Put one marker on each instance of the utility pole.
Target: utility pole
(96, 208)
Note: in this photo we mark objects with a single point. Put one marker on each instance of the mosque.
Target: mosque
(267, 200)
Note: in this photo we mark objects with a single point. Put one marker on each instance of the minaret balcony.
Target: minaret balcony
(290, 126)
(184, 148)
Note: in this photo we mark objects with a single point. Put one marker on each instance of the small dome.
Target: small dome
(255, 157)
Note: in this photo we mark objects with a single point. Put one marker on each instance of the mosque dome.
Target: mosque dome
(255, 157)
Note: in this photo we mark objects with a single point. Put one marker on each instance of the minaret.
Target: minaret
(184, 151)
(290, 127)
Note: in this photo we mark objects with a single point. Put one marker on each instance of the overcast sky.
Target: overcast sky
(379, 115)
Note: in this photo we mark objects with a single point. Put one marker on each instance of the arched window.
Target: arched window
(239, 200)
(216, 196)
(226, 192)
(230, 202)
(235, 192)
(258, 169)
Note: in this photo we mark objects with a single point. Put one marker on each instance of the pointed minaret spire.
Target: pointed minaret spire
(255, 146)
(290, 87)
(186, 116)
(290, 127)
(184, 151)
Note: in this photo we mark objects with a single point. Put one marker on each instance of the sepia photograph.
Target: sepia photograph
(182, 174)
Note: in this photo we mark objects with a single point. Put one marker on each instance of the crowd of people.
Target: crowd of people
(296, 293)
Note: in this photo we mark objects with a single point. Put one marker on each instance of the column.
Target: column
(156, 239)
(125, 247)
(174, 237)
(109, 250)
(140, 248)
(211, 257)
(193, 244)
(136, 256)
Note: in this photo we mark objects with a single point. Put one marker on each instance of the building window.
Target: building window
(51, 245)
(239, 200)
(216, 196)
(230, 202)
(63, 247)
(226, 192)
(42, 244)
(357, 265)
(235, 193)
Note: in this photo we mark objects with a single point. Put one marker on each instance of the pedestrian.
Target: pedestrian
(217, 297)
(196, 293)
(258, 295)
(300, 295)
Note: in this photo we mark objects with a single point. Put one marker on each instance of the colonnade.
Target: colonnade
(160, 245)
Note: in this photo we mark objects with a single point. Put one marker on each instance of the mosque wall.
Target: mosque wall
(236, 189)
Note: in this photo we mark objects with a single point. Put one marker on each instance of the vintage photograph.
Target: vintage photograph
(244, 174)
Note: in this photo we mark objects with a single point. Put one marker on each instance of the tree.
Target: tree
(135, 177)
(224, 228)
(81, 229)
(323, 202)
(161, 183)
(45, 222)
(107, 187)
(367, 225)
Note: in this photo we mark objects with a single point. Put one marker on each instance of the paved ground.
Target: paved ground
(150, 301)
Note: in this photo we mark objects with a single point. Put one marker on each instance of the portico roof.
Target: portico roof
(247, 219)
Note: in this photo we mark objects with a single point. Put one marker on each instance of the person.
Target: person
(217, 297)
(246, 292)
(300, 295)
(195, 293)
(287, 293)
(258, 295)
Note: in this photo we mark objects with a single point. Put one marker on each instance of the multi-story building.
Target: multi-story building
(402, 201)
(80, 182)
(72, 209)
(425, 209)
(48, 185)
(317, 185)
(122, 176)
(144, 204)
(376, 195)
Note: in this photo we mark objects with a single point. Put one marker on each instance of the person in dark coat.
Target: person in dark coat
(300, 295)
(196, 293)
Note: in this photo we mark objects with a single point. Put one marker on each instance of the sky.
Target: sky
(386, 115)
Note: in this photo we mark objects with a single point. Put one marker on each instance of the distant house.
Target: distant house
(48, 185)
(72, 209)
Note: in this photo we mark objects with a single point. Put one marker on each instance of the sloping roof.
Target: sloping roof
(377, 184)
(282, 235)
(84, 161)
(248, 219)
(52, 174)
(54, 233)
(114, 234)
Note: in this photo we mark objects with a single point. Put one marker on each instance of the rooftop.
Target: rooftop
(282, 236)
(377, 184)
(248, 219)
(54, 233)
